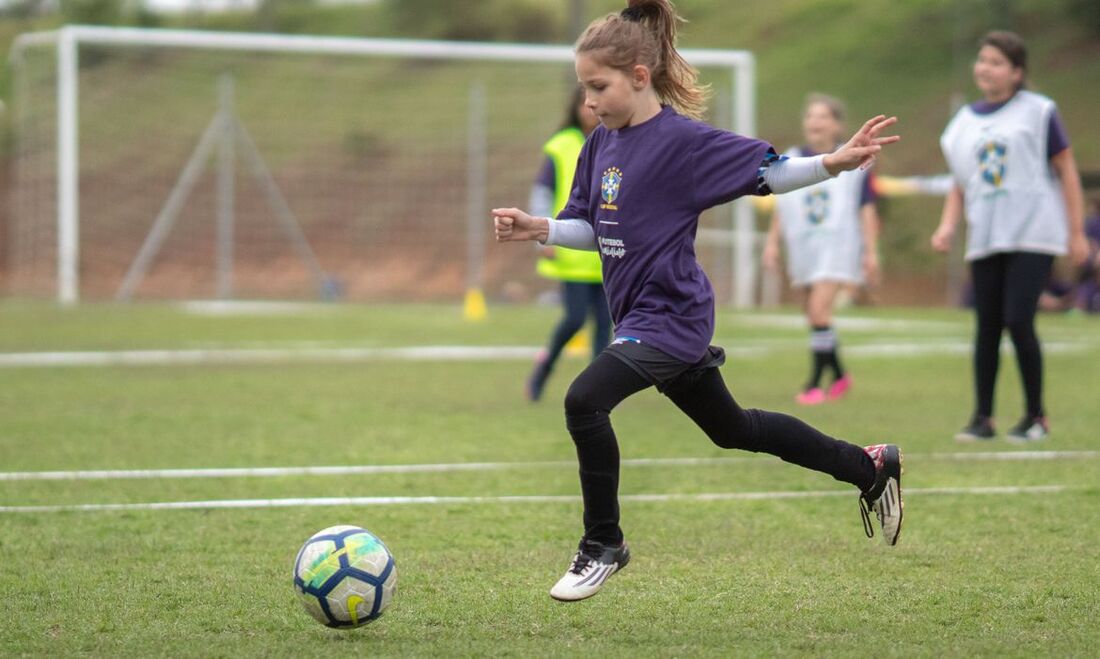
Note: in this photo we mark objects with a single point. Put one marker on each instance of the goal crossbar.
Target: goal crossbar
(411, 48)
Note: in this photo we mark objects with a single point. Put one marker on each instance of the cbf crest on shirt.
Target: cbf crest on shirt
(999, 160)
(642, 188)
(992, 161)
(817, 206)
(609, 187)
(821, 227)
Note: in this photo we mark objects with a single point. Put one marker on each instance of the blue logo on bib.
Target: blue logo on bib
(817, 206)
(992, 161)
(610, 183)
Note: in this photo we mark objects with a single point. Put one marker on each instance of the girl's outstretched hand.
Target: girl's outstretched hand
(860, 151)
(512, 224)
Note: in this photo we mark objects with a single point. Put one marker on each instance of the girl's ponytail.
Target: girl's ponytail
(645, 33)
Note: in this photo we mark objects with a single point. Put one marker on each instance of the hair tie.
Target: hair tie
(635, 14)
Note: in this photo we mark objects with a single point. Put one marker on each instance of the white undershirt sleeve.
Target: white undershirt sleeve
(574, 234)
(787, 174)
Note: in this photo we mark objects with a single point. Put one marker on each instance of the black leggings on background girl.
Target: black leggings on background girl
(1006, 295)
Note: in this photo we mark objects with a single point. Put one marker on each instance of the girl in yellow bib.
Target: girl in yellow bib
(577, 270)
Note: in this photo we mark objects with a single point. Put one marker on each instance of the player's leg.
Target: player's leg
(597, 302)
(1025, 275)
(812, 393)
(574, 301)
(987, 277)
(876, 470)
(823, 340)
(605, 383)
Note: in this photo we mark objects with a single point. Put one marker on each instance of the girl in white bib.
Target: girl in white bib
(1017, 183)
(830, 231)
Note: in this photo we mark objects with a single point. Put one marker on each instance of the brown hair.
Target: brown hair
(1011, 46)
(834, 105)
(572, 111)
(645, 33)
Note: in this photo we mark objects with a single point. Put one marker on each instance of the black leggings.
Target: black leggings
(703, 396)
(1006, 295)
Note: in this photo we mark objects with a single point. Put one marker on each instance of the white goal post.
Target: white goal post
(68, 46)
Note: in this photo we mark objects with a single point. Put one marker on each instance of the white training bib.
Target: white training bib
(821, 229)
(1012, 198)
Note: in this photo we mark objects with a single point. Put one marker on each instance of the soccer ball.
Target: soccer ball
(345, 576)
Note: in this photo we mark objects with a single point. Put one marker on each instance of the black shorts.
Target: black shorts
(661, 369)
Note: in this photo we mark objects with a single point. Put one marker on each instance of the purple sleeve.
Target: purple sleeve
(577, 208)
(546, 174)
(1057, 139)
(1092, 228)
(726, 166)
(868, 195)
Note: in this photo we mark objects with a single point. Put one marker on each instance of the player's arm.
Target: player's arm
(870, 226)
(783, 174)
(949, 219)
(512, 224)
(771, 244)
(1065, 166)
(541, 200)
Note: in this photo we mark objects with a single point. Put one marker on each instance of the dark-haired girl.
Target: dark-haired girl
(1017, 183)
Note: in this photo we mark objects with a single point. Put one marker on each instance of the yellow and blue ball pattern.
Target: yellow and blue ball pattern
(345, 576)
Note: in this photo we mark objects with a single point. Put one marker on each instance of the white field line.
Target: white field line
(847, 323)
(200, 356)
(911, 349)
(262, 356)
(253, 308)
(393, 501)
(344, 470)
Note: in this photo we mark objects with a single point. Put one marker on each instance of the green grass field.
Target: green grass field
(978, 572)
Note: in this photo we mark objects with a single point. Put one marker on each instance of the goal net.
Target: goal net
(161, 164)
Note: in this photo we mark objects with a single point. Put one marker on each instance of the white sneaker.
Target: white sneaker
(884, 497)
(592, 565)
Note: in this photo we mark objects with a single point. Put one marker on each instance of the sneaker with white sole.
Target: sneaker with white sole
(884, 497)
(593, 565)
(1029, 429)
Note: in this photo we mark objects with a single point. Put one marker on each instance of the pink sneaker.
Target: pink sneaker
(813, 396)
(839, 388)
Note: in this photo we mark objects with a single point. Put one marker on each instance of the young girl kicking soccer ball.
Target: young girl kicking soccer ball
(643, 177)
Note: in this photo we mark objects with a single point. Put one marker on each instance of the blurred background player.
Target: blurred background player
(831, 234)
(1088, 290)
(577, 270)
(643, 177)
(1017, 182)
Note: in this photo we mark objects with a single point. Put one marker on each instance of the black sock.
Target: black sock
(823, 345)
(834, 363)
(820, 361)
(588, 404)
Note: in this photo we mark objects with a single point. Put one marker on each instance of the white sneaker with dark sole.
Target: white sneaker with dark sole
(593, 565)
(884, 497)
